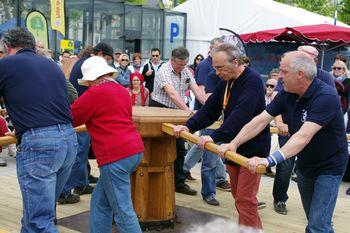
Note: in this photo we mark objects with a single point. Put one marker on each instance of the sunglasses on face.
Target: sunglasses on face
(270, 86)
(125, 60)
(155, 55)
(337, 68)
(199, 59)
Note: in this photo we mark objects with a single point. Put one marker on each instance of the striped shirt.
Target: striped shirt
(167, 76)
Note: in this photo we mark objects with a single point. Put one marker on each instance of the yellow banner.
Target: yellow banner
(36, 23)
(67, 45)
(57, 16)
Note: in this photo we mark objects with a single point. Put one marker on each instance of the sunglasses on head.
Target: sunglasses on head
(337, 68)
(124, 60)
(155, 55)
(270, 86)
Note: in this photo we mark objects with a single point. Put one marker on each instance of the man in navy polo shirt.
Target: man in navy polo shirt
(316, 125)
(36, 100)
(238, 98)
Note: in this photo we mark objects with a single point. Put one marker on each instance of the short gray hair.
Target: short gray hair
(230, 50)
(216, 39)
(303, 62)
(180, 53)
(19, 38)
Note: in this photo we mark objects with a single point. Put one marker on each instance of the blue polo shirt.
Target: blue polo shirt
(246, 100)
(76, 74)
(326, 153)
(34, 90)
(205, 75)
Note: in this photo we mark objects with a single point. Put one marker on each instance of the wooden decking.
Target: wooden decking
(11, 205)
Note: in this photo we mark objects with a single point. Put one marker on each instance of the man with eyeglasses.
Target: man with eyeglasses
(237, 98)
(116, 58)
(78, 182)
(170, 85)
(150, 69)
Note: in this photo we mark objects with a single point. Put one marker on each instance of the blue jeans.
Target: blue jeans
(79, 174)
(112, 196)
(195, 154)
(44, 161)
(319, 196)
(283, 174)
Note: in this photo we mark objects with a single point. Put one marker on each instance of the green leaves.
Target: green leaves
(37, 24)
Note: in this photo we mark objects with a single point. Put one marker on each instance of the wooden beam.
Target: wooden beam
(234, 157)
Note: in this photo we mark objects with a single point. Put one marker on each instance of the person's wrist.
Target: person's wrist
(275, 158)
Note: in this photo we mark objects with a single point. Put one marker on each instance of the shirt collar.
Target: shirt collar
(311, 89)
(25, 50)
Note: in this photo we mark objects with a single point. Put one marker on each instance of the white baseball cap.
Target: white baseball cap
(93, 68)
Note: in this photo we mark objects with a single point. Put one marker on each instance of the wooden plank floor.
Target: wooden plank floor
(11, 205)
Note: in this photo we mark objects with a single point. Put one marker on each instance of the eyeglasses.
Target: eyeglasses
(117, 53)
(1, 52)
(269, 86)
(337, 68)
(199, 59)
(124, 60)
(155, 55)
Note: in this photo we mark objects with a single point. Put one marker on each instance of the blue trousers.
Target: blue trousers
(319, 196)
(44, 161)
(112, 196)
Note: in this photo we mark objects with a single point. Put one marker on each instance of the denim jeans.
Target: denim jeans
(318, 196)
(112, 196)
(79, 174)
(283, 174)
(195, 154)
(44, 161)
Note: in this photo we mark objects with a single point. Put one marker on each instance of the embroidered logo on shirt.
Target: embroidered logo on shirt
(303, 115)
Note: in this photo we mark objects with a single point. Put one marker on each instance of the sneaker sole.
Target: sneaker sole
(222, 189)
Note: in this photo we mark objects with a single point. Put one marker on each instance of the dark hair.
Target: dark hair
(65, 51)
(341, 57)
(86, 51)
(194, 61)
(19, 38)
(244, 60)
(155, 50)
(136, 55)
(180, 53)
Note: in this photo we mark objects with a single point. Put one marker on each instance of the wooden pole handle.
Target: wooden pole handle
(234, 157)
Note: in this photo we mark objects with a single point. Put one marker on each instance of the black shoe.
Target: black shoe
(185, 189)
(347, 191)
(211, 200)
(224, 186)
(84, 190)
(70, 198)
(261, 205)
(189, 177)
(280, 207)
(93, 180)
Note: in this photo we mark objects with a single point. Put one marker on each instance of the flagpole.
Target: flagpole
(335, 12)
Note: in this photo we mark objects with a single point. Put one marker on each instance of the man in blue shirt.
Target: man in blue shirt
(316, 125)
(207, 80)
(36, 100)
(238, 97)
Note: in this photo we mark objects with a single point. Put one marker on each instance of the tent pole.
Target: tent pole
(322, 56)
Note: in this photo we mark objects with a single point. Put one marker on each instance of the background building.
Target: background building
(131, 28)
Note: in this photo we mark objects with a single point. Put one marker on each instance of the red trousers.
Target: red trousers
(244, 188)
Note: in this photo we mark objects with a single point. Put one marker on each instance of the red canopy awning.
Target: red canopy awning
(321, 33)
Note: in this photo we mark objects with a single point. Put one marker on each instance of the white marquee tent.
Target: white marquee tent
(205, 17)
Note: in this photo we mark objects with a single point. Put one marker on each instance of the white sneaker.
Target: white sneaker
(2, 162)
(12, 150)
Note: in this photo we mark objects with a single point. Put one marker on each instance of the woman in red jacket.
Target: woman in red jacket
(105, 108)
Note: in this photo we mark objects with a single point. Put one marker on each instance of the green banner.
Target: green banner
(36, 23)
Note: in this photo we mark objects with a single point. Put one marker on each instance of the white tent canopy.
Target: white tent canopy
(205, 17)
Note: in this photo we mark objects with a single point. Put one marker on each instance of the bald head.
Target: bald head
(309, 50)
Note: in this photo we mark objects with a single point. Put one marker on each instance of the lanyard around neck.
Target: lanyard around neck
(227, 94)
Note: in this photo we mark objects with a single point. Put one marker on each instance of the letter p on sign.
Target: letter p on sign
(174, 31)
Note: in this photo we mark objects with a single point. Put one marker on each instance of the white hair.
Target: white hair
(220, 225)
